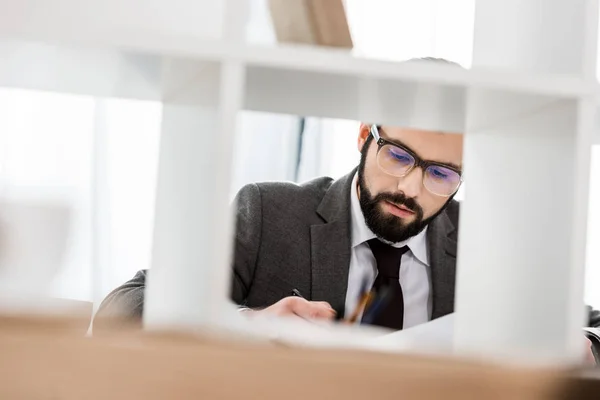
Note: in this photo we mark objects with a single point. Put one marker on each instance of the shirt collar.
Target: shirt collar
(361, 232)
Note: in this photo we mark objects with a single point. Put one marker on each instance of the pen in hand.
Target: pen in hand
(381, 300)
(297, 306)
(318, 304)
(365, 297)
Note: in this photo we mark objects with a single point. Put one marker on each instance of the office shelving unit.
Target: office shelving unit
(528, 108)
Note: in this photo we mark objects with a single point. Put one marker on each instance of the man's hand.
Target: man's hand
(299, 307)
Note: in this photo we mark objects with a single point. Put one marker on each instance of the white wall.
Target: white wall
(45, 153)
(265, 148)
(403, 29)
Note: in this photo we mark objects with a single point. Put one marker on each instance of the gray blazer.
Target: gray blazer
(298, 237)
(291, 236)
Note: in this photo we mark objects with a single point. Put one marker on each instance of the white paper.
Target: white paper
(299, 332)
(432, 337)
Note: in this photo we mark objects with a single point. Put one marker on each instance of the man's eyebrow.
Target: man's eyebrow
(400, 143)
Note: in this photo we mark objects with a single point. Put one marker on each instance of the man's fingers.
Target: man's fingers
(323, 304)
(312, 309)
(324, 309)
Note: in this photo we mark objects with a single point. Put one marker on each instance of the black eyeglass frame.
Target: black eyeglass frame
(419, 162)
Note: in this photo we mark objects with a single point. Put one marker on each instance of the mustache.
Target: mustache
(399, 199)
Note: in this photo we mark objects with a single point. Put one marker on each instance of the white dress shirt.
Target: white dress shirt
(414, 267)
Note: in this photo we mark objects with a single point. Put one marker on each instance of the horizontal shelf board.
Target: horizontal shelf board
(298, 58)
(103, 73)
(422, 105)
(339, 62)
(113, 19)
(301, 80)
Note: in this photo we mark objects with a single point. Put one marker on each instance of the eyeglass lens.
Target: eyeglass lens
(436, 178)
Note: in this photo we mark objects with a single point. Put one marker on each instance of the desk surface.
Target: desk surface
(48, 357)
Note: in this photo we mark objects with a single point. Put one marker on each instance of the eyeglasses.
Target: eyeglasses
(397, 160)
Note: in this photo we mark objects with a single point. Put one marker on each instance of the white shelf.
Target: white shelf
(136, 31)
(286, 79)
(532, 97)
(160, 29)
(306, 59)
(336, 62)
(110, 21)
(521, 252)
(79, 70)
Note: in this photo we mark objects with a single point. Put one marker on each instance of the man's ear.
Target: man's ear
(363, 133)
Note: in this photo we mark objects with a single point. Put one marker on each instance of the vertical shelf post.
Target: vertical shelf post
(188, 285)
(523, 222)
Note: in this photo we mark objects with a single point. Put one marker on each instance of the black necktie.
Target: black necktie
(388, 259)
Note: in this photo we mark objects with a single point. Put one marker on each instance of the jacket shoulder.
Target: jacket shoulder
(308, 194)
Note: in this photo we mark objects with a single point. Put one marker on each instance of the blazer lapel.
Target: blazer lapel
(330, 246)
(442, 255)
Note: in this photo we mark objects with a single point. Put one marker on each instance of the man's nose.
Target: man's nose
(412, 184)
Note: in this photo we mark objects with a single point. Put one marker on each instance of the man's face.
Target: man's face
(397, 208)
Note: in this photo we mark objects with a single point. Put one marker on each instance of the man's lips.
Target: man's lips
(398, 210)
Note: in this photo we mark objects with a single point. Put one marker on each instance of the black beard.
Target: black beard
(387, 226)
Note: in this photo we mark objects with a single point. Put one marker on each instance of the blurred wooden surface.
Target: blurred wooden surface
(45, 358)
(315, 22)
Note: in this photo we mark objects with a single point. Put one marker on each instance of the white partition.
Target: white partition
(189, 281)
(523, 222)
